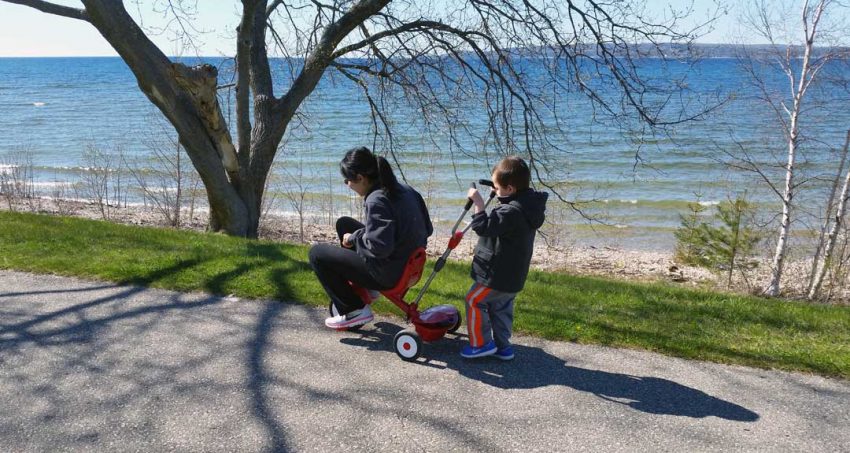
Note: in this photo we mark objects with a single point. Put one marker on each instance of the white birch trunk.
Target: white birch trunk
(826, 221)
(833, 233)
(806, 75)
(774, 287)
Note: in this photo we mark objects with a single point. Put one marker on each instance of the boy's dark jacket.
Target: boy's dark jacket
(506, 240)
(395, 227)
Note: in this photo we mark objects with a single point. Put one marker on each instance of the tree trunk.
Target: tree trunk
(806, 75)
(733, 252)
(833, 233)
(187, 98)
(774, 287)
(825, 227)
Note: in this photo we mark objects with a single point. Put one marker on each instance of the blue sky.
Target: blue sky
(27, 32)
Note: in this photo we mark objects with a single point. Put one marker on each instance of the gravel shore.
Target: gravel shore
(595, 260)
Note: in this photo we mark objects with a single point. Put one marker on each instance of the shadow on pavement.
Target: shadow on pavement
(260, 381)
(81, 324)
(533, 368)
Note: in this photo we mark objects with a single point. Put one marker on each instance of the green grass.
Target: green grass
(659, 317)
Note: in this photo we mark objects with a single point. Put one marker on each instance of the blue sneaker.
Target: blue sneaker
(506, 353)
(468, 352)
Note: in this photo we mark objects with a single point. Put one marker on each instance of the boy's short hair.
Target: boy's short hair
(512, 171)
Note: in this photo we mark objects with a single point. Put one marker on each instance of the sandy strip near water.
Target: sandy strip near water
(596, 260)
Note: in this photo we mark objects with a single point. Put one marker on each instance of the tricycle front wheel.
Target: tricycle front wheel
(456, 325)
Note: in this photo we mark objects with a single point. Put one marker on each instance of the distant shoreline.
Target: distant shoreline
(703, 50)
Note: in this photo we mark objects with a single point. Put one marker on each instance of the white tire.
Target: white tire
(408, 346)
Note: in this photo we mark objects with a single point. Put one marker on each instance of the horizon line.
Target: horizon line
(728, 45)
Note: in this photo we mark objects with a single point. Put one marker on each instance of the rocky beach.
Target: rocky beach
(573, 258)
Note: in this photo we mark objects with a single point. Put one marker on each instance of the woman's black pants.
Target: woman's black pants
(336, 266)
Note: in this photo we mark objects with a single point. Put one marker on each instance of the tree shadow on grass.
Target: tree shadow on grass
(535, 368)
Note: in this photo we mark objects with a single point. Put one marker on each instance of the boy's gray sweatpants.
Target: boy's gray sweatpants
(489, 316)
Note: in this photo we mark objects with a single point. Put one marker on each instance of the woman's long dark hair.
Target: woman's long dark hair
(361, 161)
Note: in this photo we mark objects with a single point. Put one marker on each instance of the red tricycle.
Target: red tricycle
(434, 322)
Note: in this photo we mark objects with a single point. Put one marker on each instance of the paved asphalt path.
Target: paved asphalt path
(90, 366)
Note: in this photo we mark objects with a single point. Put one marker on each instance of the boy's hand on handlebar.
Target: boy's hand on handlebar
(346, 240)
(473, 195)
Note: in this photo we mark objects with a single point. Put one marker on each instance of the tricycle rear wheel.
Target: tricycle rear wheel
(408, 345)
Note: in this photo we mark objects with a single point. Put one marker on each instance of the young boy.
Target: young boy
(502, 257)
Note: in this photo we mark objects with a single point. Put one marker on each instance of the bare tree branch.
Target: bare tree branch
(52, 8)
(321, 56)
(482, 78)
(272, 7)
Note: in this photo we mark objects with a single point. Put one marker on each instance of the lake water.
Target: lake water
(54, 109)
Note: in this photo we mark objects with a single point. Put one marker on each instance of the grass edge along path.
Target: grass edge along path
(660, 317)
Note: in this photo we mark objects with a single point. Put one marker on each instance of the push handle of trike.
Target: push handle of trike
(454, 240)
(483, 182)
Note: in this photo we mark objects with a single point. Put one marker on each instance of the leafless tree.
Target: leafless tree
(161, 180)
(16, 178)
(330, 208)
(837, 220)
(101, 179)
(833, 239)
(840, 275)
(165, 178)
(441, 59)
(296, 192)
(793, 49)
(65, 197)
(827, 220)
